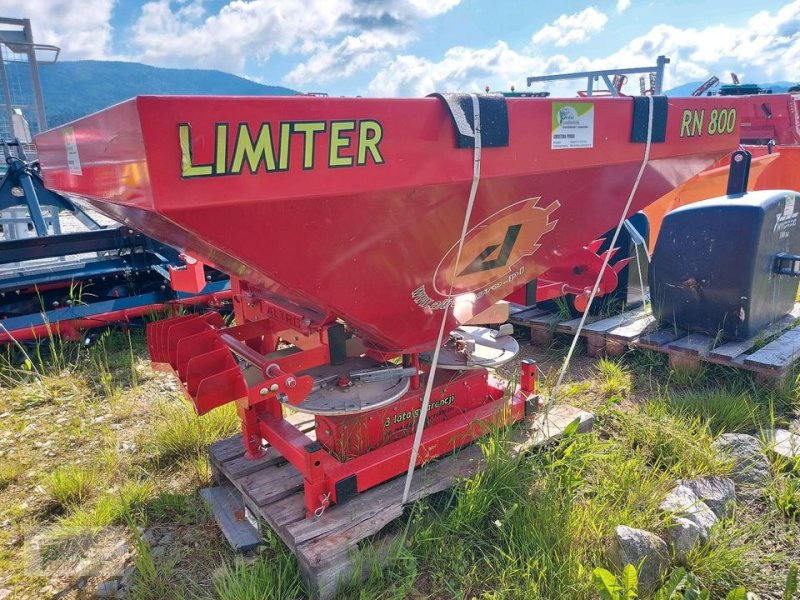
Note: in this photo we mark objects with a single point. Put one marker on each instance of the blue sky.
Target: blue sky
(413, 47)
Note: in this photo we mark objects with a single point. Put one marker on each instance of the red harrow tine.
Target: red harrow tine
(197, 324)
(205, 365)
(162, 340)
(217, 390)
(195, 345)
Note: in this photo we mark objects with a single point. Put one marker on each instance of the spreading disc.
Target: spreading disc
(328, 398)
(490, 350)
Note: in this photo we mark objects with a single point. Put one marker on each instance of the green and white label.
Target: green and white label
(573, 125)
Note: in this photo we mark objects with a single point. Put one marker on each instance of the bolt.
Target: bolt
(263, 391)
(274, 387)
(291, 382)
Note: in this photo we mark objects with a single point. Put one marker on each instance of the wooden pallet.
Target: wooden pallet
(614, 335)
(327, 547)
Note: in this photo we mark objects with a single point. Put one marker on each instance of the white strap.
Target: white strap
(426, 398)
(613, 243)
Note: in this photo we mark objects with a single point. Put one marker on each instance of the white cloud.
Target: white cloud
(82, 29)
(351, 55)
(766, 48)
(623, 5)
(571, 29)
(341, 36)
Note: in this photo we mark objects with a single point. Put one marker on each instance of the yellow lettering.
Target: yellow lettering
(338, 142)
(697, 123)
(369, 136)
(188, 168)
(255, 151)
(686, 119)
(283, 153)
(309, 131)
(221, 143)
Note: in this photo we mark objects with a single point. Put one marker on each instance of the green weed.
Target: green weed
(273, 576)
(784, 492)
(615, 379)
(70, 486)
(182, 435)
(10, 471)
(722, 409)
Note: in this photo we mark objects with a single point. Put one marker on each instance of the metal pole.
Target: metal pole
(660, 62)
(6, 95)
(41, 119)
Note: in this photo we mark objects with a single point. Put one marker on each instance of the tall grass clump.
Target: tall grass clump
(182, 435)
(679, 445)
(615, 379)
(10, 471)
(724, 410)
(273, 576)
(70, 486)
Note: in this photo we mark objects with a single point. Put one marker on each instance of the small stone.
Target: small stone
(107, 589)
(167, 538)
(158, 552)
(636, 546)
(794, 425)
(683, 502)
(127, 577)
(4, 593)
(785, 443)
(718, 493)
(750, 465)
(683, 535)
(149, 537)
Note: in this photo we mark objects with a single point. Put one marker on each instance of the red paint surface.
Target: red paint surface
(355, 242)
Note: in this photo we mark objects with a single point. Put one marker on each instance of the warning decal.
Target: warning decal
(572, 125)
(73, 160)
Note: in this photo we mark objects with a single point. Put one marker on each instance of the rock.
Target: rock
(718, 493)
(632, 547)
(167, 538)
(785, 444)
(683, 502)
(683, 535)
(158, 552)
(794, 425)
(127, 578)
(107, 589)
(750, 465)
(149, 537)
(4, 593)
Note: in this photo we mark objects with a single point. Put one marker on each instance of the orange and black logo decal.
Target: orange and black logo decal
(494, 248)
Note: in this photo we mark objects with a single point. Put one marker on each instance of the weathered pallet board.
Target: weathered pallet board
(326, 547)
(228, 508)
(731, 350)
(614, 335)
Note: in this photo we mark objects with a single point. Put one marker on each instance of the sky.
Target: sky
(415, 47)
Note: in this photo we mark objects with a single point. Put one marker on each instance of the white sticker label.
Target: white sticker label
(572, 125)
(789, 208)
(73, 160)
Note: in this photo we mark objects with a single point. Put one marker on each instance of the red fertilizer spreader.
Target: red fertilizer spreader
(339, 221)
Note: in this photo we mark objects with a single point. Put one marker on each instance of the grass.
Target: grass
(784, 491)
(615, 379)
(532, 526)
(180, 435)
(722, 409)
(71, 486)
(273, 575)
(10, 471)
